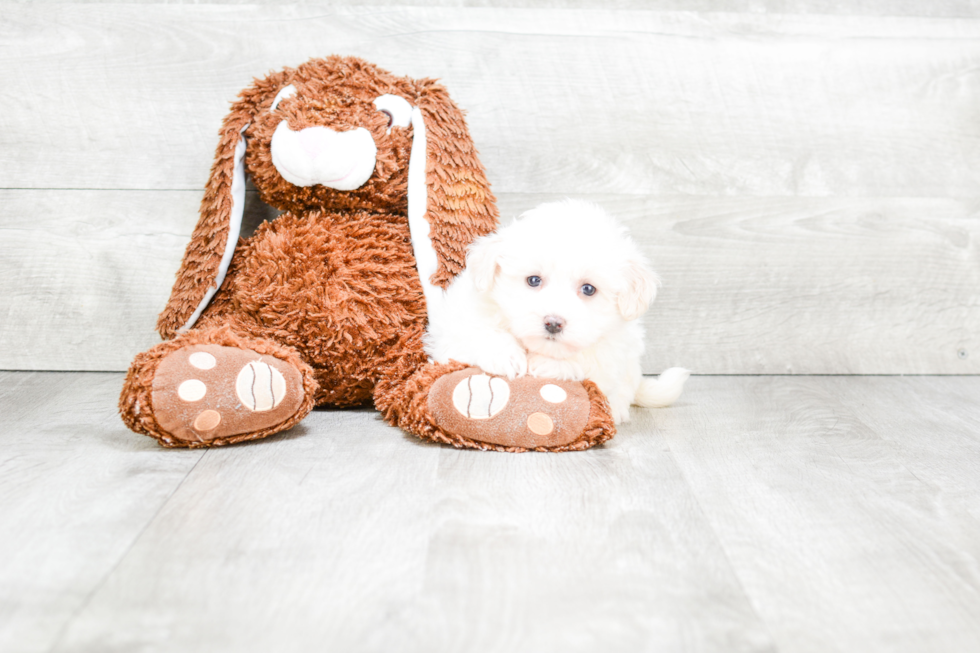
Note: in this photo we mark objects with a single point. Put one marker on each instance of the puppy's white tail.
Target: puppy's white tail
(663, 390)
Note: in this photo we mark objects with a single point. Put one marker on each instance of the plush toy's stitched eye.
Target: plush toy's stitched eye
(588, 289)
(285, 92)
(534, 281)
(397, 108)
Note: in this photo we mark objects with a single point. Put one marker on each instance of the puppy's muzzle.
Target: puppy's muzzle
(554, 324)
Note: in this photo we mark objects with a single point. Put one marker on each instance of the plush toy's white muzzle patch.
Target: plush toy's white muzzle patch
(320, 155)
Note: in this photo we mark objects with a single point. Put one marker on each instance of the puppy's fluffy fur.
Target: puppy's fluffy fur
(556, 294)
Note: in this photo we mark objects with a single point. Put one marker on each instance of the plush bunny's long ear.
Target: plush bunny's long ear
(213, 242)
(449, 198)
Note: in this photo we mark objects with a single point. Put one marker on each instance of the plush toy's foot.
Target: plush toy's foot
(527, 412)
(203, 393)
(213, 388)
(467, 408)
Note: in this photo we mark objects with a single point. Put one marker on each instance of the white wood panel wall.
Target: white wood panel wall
(805, 182)
(924, 8)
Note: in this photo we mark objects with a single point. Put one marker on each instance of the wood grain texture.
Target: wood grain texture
(925, 8)
(847, 506)
(76, 491)
(363, 539)
(635, 102)
(750, 285)
(790, 514)
(802, 173)
(87, 272)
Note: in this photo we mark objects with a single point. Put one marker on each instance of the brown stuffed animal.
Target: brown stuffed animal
(325, 304)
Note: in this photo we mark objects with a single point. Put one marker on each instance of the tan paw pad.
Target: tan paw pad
(540, 424)
(260, 387)
(208, 420)
(192, 390)
(202, 360)
(552, 393)
(480, 396)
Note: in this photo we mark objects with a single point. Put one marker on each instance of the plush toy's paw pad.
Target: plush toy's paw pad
(206, 392)
(480, 396)
(526, 412)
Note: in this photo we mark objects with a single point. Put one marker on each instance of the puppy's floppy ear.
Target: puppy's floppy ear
(213, 242)
(483, 260)
(639, 291)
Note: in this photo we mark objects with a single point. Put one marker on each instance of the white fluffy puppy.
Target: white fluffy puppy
(556, 294)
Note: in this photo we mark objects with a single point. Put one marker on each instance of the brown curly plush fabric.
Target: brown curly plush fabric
(330, 286)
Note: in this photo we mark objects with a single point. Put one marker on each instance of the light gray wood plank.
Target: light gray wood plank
(947, 409)
(121, 96)
(84, 268)
(76, 490)
(769, 285)
(348, 535)
(847, 506)
(87, 272)
(759, 513)
(925, 8)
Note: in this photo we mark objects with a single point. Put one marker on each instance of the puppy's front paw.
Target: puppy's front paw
(619, 403)
(510, 361)
(552, 368)
(620, 411)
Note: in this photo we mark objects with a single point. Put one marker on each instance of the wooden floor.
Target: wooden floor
(770, 513)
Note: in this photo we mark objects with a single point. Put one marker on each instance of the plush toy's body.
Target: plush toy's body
(382, 192)
(366, 301)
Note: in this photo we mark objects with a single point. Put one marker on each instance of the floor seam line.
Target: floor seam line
(98, 587)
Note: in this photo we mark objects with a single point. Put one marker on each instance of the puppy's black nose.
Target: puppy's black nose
(554, 324)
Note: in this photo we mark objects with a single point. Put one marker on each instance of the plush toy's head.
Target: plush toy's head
(336, 135)
(333, 134)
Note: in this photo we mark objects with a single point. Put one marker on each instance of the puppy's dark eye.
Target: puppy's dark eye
(391, 118)
(534, 281)
(588, 290)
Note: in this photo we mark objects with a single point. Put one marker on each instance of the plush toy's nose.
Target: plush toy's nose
(554, 324)
(314, 140)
